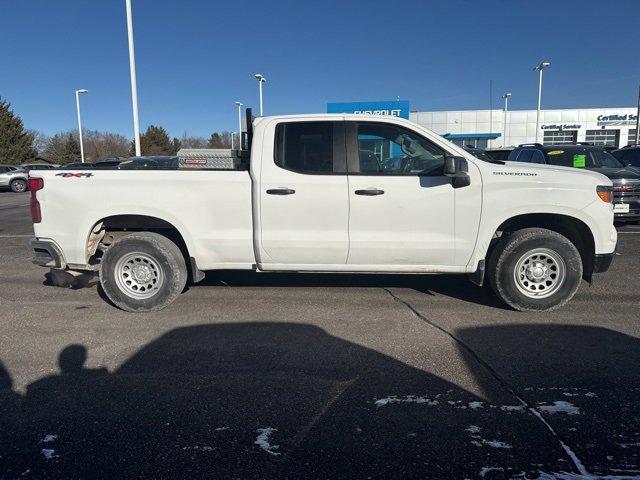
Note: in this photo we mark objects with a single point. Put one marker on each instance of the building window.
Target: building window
(631, 139)
(603, 137)
(471, 142)
(560, 137)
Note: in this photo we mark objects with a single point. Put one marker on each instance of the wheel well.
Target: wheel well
(109, 229)
(574, 229)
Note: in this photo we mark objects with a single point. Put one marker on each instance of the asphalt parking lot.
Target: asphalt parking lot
(316, 376)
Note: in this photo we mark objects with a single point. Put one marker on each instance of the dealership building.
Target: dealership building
(613, 126)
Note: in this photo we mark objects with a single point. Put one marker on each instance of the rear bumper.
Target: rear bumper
(47, 254)
(602, 262)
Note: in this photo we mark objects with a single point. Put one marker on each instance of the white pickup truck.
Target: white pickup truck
(330, 193)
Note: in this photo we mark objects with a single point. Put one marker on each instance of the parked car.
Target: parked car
(479, 153)
(14, 177)
(307, 203)
(157, 162)
(38, 166)
(499, 153)
(626, 180)
(103, 164)
(628, 156)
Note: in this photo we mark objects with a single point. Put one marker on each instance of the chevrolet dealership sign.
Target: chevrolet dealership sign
(399, 108)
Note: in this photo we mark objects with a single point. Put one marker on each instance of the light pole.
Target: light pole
(239, 124)
(132, 72)
(637, 139)
(541, 66)
(78, 92)
(504, 123)
(261, 80)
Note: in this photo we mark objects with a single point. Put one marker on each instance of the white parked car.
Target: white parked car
(330, 193)
(13, 177)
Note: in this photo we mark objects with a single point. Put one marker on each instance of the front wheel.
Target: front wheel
(19, 185)
(143, 272)
(535, 269)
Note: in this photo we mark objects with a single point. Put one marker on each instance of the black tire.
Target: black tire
(507, 256)
(18, 185)
(163, 259)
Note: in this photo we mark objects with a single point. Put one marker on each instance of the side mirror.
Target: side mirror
(450, 165)
(457, 168)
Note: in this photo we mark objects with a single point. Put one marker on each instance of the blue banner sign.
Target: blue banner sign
(399, 108)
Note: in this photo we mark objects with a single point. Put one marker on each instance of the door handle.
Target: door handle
(369, 192)
(281, 191)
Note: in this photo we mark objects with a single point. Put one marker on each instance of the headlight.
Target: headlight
(605, 192)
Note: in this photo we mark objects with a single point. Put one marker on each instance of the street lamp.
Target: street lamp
(132, 73)
(541, 66)
(504, 123)
(78, 92)
(261, 80)
(240, 124)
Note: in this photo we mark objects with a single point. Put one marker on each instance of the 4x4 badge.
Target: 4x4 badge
(74, 175)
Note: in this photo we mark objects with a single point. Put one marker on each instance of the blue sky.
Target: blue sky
(195, 58)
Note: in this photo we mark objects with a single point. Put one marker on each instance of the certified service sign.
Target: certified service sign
(398, 108)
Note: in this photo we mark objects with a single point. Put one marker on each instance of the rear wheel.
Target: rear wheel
(535, 269)
(18, 185)
(143, 272)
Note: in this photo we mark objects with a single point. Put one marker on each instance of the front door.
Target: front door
(304, 199)
(401, 205)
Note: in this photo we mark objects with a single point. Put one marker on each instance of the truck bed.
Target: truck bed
(215, 204)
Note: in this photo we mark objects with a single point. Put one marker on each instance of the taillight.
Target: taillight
(605, 192)
(35, 184)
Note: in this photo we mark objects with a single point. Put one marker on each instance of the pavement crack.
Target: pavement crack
(336, 392)
(500, 379)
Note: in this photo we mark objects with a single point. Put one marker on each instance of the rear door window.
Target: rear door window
(310, 147)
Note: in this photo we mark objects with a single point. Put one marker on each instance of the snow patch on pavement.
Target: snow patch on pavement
(559, 407)
(381, 402)
(584, 476)
(485, 470)
(49, 453)
(263, 440)
(478, 441)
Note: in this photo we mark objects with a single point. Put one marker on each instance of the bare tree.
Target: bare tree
(188, 141)
(40, 141)
(99, 145)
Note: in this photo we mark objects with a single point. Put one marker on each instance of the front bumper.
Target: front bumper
(631, 198)
(602, 262)
(47, 254)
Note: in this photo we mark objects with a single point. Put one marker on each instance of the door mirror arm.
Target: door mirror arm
(457, 169)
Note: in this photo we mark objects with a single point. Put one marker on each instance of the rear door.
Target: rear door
(304, 202)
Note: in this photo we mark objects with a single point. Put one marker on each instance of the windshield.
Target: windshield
(583, 158)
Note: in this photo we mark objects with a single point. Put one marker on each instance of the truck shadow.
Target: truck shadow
(288, 400)
(454, 286)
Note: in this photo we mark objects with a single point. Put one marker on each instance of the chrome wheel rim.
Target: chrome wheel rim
(539, 273)
(138, 275)
(19, 186)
